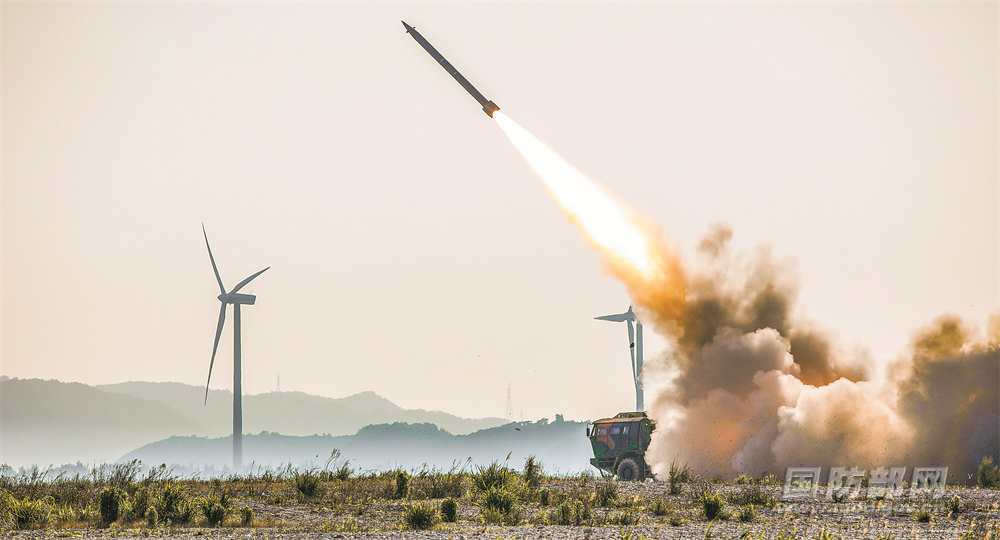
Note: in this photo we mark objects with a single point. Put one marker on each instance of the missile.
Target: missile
(488, 106)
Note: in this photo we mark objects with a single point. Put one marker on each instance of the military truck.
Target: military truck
(620, 445)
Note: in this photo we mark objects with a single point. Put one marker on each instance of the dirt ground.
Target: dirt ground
(857, 515)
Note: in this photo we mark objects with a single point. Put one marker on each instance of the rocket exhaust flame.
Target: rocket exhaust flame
(604, 220)
(746, 386)
(634, 250)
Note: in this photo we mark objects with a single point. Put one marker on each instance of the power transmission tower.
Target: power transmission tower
(509, 413)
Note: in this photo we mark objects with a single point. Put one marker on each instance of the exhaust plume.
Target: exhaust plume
(746, 386)
(634, 250)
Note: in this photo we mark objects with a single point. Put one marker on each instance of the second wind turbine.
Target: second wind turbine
(635, 349)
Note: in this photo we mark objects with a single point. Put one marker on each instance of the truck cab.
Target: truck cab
(620, 444)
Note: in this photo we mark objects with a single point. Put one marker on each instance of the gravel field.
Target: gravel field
(858, 516)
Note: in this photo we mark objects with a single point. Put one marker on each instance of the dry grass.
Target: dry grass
(362, 502)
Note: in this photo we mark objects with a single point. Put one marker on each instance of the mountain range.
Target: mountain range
(48, 422)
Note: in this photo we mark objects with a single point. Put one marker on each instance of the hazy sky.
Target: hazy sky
(412, 250)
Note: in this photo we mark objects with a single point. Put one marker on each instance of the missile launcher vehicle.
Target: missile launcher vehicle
(620, 444)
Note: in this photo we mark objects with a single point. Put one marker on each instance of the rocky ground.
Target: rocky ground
(858, 515)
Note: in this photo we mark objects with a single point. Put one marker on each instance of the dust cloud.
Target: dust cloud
(746, 387)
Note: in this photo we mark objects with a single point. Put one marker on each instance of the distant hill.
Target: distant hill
(561, 446)
(52, 422)
(292, 413)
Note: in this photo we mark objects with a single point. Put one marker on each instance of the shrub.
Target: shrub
(306, 482)
(769, 480)
(660, 508)
(449, 510)
(743, 480)
(955, 505)
(215, 514)
(435, 484)
(746, 514)
(544, 497)
(152, 519)
(491, 517)
(26, 513)
(569, 513)
(532, 472)
(711, 503)
(173, 504)
(344, 471)
(420, 517)
(7, 502)
(111, 502)
(499, 498)
(341, 470)
(139, 504)
(607, 492)
(563, 514)
(246, 516)
(676, 521)
(492, 476)
(402, 485)
(500, 505)
(988, 475)
(62, 513)
(754, 494)
(217, 506)
(679, 474)
(922, 516)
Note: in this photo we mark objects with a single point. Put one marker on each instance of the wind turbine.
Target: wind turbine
(634, 349)
(237, 299)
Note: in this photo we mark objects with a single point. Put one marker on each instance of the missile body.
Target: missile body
(488, 106)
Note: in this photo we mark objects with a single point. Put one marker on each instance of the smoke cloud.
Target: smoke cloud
(746, 387)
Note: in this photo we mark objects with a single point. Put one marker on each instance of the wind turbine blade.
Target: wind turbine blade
(621, 317)
(218, 334)
(631, 345)
(247, 280)
(216, 268)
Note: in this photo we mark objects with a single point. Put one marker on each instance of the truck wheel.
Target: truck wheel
(629, 470)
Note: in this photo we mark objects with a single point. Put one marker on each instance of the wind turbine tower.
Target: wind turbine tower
(634, 349)
(236, 299)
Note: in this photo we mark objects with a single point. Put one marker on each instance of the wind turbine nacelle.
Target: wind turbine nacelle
(238, 298)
